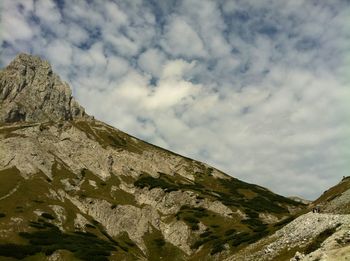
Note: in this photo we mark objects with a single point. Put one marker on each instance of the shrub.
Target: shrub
(205, 234)
(191, 220)
(90, 226)
(255, 224)
(160, 242)
(284, 221)
(316, 243)
(150, 182)
(48, 216)
(230, 232)
(18, 251)
(85, 246)
(218, 246)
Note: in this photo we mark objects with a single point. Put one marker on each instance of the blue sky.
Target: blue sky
(258, 89)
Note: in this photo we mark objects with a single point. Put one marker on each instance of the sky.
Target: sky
(257, 89)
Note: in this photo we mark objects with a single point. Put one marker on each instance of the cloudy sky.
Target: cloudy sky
(258, 89)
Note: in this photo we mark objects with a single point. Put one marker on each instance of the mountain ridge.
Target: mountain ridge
(75, 181)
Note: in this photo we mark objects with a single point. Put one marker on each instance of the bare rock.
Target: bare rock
(31, 92)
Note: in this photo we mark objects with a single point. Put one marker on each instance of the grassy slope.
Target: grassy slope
(333, 192)
(220, 232)
(336, 199)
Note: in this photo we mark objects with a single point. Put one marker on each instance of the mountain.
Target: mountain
(31, 92)
(75, 188)
(322, 236)
(336, 199)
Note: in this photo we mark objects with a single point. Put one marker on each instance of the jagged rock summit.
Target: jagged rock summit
(31, 92)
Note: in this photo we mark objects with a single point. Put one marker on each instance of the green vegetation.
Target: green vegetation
(231, 192)
(18, 251)
(48, 239)
(108, 137)
(228, 191)
(265, 201)
(284, 222)
(10, 131)
(218, 246)
(192, 215)
(159, 249)
(220, 231)
(104, 190)
(9, 179)
(48, 216)
(160, 242)
(150, 182)
(167, 183)
(255, 224)
(317, 242)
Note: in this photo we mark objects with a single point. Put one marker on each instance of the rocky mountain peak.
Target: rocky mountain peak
(30, 91)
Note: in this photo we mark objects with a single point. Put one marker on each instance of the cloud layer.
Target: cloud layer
(258, 89)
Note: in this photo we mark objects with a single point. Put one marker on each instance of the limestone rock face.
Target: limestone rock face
(31, 92)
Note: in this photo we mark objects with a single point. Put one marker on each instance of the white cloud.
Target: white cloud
(59, 52)
(181, 40)
(151, 61)
(114, 15)
(77, 34)
(261, 93)
(47, 11)
(14, 26)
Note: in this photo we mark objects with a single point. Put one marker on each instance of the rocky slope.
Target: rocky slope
(74, 188)
(336, 199)
(323, 236)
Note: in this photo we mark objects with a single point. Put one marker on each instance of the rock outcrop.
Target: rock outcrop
(31, 92)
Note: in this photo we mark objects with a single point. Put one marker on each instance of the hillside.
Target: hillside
(311, 236)
(74, 188)
(336, 199)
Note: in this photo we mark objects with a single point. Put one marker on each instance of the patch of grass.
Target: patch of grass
(240, 238)
(317, 242)
(205, 234)
(90, 226)
(255, 224)
(108, 137)
(203, 241)
(48, 216)
(230, 232)
(192, 222)
(284, 222)
(150, 183)
(9, 179)
(18, 251)
(218, 246)
(159, 249)
(251, 213)
(85, 246)
(192, 215)
(160, 242)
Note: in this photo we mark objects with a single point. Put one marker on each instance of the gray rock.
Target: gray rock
(31, 92)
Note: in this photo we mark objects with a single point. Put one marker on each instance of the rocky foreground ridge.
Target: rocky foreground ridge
(74, 188)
